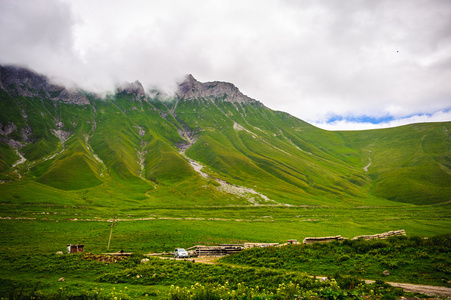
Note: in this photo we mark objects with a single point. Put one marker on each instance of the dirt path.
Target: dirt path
(206, 260)
(429, 290)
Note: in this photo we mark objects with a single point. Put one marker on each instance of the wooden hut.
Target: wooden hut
(220, 250)
(325, 239)
(75, 248)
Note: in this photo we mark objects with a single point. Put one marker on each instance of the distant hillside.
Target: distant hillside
(208, 145)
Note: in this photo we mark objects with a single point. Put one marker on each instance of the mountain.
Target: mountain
(208, 145)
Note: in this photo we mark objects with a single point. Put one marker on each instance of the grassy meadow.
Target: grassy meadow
(31, 268)
(66, 169)
(32, 234)
(407, 259)
(88, 276)
(48, 229)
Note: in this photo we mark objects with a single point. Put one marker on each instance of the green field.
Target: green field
(269, 273)
(407, 259)
(28, 246)
(67, 167)
(51, 228)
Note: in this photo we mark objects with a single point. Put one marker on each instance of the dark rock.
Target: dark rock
(23, 82)
(135, 89)
(15, 144)
(191, 89)
(7, 129)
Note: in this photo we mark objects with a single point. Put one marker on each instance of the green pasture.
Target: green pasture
(48, 229)
(122, 158)
(272, 273)
(407, 259)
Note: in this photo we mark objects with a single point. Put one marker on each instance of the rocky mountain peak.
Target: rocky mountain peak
(191, 89)
(23, 82)
(134, 88)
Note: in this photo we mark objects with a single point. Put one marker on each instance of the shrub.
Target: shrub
(343, 258)
(347, 281)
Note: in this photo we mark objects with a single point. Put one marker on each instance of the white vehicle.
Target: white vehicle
(180, 253)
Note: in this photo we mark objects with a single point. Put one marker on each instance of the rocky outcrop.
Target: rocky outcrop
(26, 133)
(13, 143)
(6, 129)
(134, 88)
(61, 135)
(192, 89)
(23, 82)
(381, 235)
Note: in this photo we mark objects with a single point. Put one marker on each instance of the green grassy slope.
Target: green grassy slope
(408, 164)
(253, 146)
(122, 144)
(364, 259)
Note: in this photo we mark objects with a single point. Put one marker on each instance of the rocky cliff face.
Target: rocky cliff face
(23, 82)
(191, 89)
(134, 88)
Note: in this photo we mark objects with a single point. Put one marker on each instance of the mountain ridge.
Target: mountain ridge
(27, 83)
(208, 145)
(190, 88)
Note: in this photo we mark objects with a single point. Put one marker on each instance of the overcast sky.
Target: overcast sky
(336, 64)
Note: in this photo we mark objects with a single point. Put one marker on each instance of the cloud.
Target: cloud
(38, 34)
(313, 59)
(361, 124)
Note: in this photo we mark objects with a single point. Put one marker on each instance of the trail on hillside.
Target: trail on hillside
(252, 196)
(367, 166)
(21, 160)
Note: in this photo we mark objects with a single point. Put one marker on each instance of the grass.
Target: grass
(71, 174)
(52, 227)
(89, 276)
(316, 176)
(28, 247)
(274, 153)
(408, 259)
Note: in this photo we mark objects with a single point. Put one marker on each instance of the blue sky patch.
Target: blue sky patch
(361, 119)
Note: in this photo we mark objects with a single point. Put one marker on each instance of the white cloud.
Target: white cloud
(313, 59)
(439, 116)
(38, 34)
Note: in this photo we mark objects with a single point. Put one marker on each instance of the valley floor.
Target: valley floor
(31, 233)
(47, 229)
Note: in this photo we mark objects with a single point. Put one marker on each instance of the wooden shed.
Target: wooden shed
(259, 245)
(221, 250)
(75, 248)
(326, 239)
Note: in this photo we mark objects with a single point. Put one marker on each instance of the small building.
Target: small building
(326, 239)
(292, 242)
(221, 250)
(259, 245)
(75, 248)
